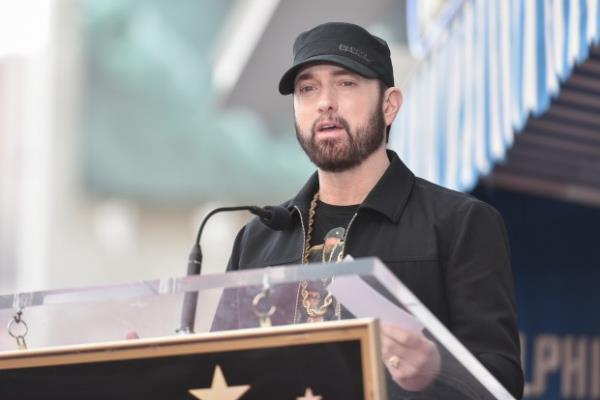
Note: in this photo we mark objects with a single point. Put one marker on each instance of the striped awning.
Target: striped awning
(497, 63)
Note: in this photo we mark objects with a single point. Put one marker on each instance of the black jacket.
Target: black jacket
(449, 248)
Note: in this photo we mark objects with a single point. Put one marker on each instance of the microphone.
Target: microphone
(275, 217)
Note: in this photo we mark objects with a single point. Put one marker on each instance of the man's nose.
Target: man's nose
(327, 100)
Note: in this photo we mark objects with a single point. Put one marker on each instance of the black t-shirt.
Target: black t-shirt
(328, 233)
(326, 245)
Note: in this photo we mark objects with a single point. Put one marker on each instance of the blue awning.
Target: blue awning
(497, 63)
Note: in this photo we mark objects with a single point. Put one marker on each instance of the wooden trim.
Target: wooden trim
(373, 369)
(364, 330)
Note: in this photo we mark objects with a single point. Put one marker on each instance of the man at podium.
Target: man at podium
(450, 249)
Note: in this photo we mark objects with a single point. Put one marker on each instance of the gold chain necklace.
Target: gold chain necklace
(312, 210)
(315, 313)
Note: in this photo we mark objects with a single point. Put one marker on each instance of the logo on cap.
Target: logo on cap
(357, 52)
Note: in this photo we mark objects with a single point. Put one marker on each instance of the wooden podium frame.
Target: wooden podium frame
(365, 332)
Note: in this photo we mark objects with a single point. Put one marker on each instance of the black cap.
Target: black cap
(348, 45)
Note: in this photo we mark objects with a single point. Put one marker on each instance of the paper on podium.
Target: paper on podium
(345, 290)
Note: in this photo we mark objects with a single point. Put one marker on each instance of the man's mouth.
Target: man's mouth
(328, 126)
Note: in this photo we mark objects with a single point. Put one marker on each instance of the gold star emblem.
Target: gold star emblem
(219, 390)
(308, 395)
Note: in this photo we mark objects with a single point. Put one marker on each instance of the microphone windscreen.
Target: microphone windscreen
(279, 218)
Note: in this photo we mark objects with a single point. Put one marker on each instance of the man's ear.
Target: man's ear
(392, 102)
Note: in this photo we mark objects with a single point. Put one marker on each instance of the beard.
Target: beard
(338, 155)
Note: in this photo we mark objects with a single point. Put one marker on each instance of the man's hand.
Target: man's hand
(412, 359)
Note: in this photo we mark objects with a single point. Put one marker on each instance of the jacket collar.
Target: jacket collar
(392, 191)
(388, 197)
(303, 198)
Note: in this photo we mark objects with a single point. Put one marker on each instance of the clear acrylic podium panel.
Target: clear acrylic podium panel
(237, 300)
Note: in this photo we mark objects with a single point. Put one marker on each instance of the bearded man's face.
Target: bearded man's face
(338, 116)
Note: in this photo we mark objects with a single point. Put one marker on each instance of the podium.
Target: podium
(251, 339)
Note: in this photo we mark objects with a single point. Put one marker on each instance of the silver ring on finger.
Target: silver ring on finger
(393, 362)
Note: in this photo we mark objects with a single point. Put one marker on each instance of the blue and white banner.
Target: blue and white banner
(491, 65)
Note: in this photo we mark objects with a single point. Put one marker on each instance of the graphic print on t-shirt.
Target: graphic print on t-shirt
(315, 294)
(332, 248)
(329, 231)
(315, 303)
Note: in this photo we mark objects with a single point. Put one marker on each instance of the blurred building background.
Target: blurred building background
(123, 122)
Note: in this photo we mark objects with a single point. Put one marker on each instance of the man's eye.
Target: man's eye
(348, 83)
(306, 89)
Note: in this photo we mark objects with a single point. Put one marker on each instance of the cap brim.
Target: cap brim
(286, 84)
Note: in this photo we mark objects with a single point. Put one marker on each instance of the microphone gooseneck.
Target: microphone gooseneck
(275, 217)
